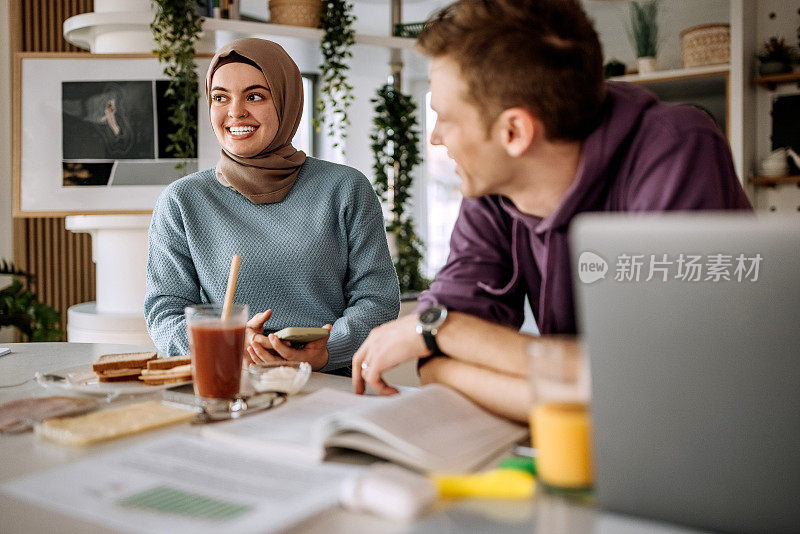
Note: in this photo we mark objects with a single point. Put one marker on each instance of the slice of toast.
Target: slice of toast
(119, 375)
(130, 360)
(168, 363)
(162, 381)
(156, 377)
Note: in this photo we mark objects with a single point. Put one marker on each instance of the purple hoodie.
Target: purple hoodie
(644, 156)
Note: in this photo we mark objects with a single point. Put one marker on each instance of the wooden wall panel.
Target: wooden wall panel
(60, 259)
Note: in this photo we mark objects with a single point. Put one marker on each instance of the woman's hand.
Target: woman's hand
(315, 352)
(258, 347)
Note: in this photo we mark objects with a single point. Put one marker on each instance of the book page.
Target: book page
(436, 426)
(185, 484)
(296, 428)
(429, 428)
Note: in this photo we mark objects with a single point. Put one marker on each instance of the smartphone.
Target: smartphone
(298, 336)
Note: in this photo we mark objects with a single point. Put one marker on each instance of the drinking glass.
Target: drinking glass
(559, 417)
(217, 347)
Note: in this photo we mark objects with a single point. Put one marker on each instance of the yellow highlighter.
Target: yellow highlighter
(496, 484)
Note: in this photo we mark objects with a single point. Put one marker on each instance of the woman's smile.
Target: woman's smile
(241, 132)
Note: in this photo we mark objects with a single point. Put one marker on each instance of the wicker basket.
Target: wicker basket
(709, 44)
(295, 12)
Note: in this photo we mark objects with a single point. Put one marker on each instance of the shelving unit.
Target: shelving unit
(770, 181)
(707, 87)
(312, 34)
(674, 75)
(85, 30)
(772, 81)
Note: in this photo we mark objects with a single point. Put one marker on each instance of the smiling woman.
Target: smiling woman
(309, 232)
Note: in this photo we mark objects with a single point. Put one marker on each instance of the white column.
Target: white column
(119, 250)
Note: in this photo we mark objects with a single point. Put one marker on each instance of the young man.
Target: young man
(538, 137)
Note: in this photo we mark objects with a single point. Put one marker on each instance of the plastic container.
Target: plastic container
(283, 377)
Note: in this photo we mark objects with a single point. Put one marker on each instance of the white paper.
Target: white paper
(202, 486)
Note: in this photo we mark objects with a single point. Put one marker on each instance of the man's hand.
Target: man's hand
(315, 352)
(387, 346)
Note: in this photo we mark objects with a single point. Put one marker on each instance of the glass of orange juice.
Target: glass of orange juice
(559, 417)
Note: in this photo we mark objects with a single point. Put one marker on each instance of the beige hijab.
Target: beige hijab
(268, 176)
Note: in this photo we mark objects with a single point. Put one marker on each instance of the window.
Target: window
(443, 197)
(304, 138)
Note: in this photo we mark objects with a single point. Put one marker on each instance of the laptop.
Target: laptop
(692, 324)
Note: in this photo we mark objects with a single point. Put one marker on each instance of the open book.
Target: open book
(429, 429)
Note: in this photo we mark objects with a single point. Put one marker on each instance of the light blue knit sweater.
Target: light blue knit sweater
(319, 256)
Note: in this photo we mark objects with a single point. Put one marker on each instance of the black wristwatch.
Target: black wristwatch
(428, 325)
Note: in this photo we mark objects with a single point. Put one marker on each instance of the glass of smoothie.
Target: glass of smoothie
(560, 422)
(217, 347)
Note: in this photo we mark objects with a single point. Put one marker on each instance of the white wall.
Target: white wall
(6, 233)
(612, 19)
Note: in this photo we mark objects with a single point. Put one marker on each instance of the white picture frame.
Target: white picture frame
(43, 186)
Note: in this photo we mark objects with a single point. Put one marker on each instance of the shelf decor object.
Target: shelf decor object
(295, 12)
(775, 57)
(176, 27)
(707, 44)
(395, 142)
(336, 92)
(643, 33)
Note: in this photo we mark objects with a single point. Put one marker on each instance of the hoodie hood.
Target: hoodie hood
(601, 153)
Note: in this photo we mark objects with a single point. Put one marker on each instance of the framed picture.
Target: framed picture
(90, 133)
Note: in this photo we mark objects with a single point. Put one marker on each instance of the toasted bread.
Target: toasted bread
(159, 382)
(168, 363)
(130, 360)
(167, 376)
(119, 375)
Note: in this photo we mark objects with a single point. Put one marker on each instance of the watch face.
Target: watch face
(431, 315)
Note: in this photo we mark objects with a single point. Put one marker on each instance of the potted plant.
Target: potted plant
(176, 28)
(21, 308)
(613, 68)
(395, 142)
(643, 33)
(336, 20)
(775, 56)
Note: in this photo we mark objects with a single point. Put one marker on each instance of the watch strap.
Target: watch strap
(430, 342)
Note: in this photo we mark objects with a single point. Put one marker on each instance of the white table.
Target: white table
(24, 454)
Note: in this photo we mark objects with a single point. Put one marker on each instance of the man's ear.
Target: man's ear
(517, 130)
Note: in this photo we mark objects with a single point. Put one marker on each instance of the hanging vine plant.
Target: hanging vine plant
(336, 20)
(395, 142)
(176, 28)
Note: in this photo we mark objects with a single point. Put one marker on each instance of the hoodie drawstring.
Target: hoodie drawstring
(515, 275)
(544, 318)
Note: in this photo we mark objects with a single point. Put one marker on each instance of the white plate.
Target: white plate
(82, 379)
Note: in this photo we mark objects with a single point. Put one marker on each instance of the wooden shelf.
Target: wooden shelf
(674, 74)
(772, 181)
(771, 81)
